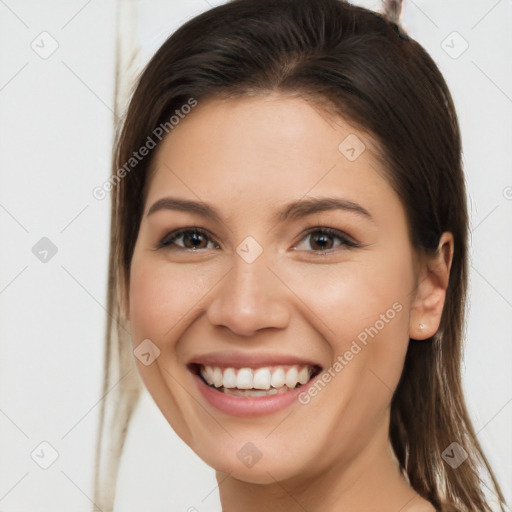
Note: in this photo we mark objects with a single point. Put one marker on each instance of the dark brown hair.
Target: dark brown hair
(355, 63)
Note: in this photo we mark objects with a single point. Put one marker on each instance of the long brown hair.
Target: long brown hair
(360, 65)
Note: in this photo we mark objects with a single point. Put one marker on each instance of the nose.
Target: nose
(249, 298)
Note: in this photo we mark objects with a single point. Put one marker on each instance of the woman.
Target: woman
(288, 262)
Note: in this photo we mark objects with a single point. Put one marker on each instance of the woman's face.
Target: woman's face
(259, 299)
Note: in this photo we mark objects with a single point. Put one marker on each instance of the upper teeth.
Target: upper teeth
(257, 378)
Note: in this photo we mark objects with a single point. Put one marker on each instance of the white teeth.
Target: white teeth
(229, 380)
(278, 378)
(244, 379)
(304, 375)
(261, 379)
(217, 377)
(252, 392)
(207, 373)
(267, 379)
(291, 377)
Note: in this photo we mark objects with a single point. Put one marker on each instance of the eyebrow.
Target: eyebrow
(291, 211)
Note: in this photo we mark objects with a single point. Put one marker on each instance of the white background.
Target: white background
(55, 146)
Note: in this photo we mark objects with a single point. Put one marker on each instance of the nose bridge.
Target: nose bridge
(249, 297)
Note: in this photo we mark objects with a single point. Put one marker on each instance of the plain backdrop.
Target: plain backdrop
(55, 145)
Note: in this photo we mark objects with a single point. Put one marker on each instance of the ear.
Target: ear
(429, 296)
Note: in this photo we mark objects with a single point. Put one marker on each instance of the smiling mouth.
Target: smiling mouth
(254, 382)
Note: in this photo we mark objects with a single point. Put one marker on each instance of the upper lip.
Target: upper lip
(249, 360)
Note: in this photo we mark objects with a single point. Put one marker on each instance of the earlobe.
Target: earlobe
(430, 294)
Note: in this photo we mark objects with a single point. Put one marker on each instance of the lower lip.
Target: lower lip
(249, 407)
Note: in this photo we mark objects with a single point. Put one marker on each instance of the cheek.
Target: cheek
(351, 296)
(160, 297)
(362, 308)
(376, 318)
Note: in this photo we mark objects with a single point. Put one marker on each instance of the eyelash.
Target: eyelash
(169, 240)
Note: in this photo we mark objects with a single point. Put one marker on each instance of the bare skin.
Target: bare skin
(247, 158)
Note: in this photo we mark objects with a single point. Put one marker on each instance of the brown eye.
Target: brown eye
(190, 239)
(193, 240)
(321, 240)
(324, 240)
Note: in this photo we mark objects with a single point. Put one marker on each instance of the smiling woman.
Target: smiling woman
(293, 254)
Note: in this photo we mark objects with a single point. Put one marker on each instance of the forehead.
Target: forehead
(266, 150)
